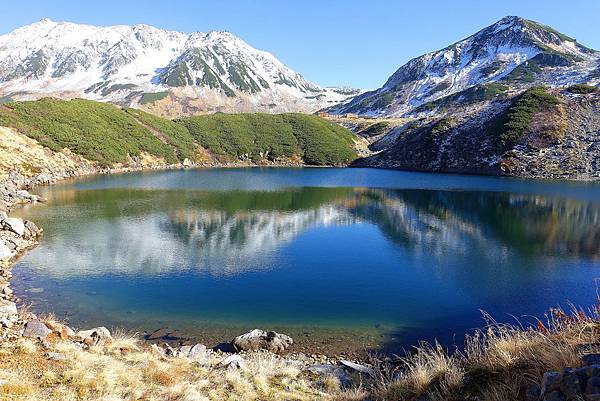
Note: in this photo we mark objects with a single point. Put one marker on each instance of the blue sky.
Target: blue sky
(331, 42)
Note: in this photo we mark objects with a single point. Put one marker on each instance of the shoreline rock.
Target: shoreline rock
(262, 340)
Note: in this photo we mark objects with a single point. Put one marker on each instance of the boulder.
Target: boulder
(193, 352)
(330, 370)
(591, 359)
(7, 309)
(95, 335)
(64, 331)
(36, 329)
(233, 361)
(357, 368)
(15, 225)
(5, 252)
(262, 340)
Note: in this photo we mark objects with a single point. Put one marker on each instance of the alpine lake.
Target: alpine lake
(343, 260)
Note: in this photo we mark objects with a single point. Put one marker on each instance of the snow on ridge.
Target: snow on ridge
(49, 57)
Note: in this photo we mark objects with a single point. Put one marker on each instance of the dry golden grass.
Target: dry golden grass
(498, 363)
(107, 372)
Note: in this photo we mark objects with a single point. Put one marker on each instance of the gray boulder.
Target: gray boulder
(365, 370)
(36, 329)
(262, 340)
(15, 225)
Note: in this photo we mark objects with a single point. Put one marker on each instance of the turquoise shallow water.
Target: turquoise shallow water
(412, 255)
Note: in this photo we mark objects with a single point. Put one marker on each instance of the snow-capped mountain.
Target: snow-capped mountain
(514, 50)
(144, 66)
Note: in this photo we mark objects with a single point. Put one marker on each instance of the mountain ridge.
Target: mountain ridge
(128, 64)
(514, 50)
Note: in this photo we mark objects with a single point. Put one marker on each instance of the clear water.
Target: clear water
(412, 255)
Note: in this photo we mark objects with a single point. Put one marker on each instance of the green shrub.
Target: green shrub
(512, 125)
(98, 131)
(153, 97)
(582, 89)
(265, 136)
(107, 134)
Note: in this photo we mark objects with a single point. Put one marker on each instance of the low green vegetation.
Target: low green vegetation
(257, 136)
(153, 97)
(108, 134)
(170, 132)
(375, 129)
(512, 125)
(475, 94)
(528, 71)
(582, 89)
(97, 131)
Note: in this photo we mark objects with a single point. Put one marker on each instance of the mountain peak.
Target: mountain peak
(129, 64)
(514, 51)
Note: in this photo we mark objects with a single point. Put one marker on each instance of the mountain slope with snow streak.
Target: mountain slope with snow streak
(141, 65)
(515, 51)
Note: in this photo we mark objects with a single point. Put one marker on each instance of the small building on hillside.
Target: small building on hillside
(351, 115)
(323, 114)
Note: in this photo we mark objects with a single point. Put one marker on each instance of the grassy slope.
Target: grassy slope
(511, 126)
(107, 134)
(97, 131)
(256, 136)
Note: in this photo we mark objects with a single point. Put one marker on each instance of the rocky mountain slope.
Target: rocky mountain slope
(142, 66)
(541, 133)
(515, 52)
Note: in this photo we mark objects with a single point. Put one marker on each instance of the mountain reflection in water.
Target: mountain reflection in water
(416, 262)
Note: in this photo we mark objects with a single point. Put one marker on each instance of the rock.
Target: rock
(56, 356)
(555, 396)
(15, 225)
(95, 335)
(5, 252)
(36, 329)
(551, 382)
(155, 349)
(260, 339)
(357, 367)
(7, 309)
(64, 331)
(330, 370)
(6, 323)
(593, 386)
(573, 383)
(233, 361)
(533, 393)
(3, 216)
(32, 228)
(193, 352)
(591, 359)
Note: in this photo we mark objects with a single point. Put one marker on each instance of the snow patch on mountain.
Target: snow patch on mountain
(122, 63)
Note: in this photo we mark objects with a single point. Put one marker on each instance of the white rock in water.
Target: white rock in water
(5, 251)
(15, 225)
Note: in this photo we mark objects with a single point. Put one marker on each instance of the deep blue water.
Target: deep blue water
(414, 255)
